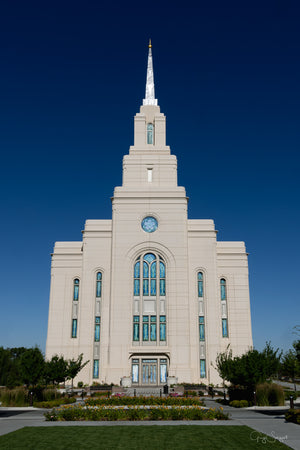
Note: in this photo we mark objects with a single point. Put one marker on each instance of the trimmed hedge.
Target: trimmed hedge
(239, 403)
(293, 415)
(132, 413)
(53, 403)
(118, 401)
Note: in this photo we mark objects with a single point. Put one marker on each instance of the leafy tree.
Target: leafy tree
(56, 369)
(250, 368)
(32, 366)
(290, 366)
(74, 367)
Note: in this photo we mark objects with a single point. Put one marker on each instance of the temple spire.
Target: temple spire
(150, 95)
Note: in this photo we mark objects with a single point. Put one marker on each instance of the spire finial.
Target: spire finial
(150, 96)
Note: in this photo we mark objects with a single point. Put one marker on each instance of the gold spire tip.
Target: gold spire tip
(150, 45)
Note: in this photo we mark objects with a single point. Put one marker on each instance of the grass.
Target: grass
(138, 437)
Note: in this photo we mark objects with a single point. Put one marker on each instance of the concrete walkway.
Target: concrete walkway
(12, 419)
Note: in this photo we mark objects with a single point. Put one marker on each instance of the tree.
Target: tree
(74, 367)
(290, 366)
(32, 366)
(250, 368)
(56, 370)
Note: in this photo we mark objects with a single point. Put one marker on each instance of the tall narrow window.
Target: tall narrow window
(136, 328)
(150, 133)
(200, 284)
(135, 370)
(163, 370)
(162, 328)
(202, 368)
(74, 328)
(201, 328)
(96, 368)
(149, 274)
(223, 289)
(149, 172)
(97, 329)
(153, 278)
(162, 278)
(136, 279)
(76, 289)
(224, 328)
(99, 285)
(153, 328)
(145, 328)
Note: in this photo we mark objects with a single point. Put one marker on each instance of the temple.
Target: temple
(149, 297)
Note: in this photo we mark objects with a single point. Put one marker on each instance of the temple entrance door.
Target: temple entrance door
(149, 372)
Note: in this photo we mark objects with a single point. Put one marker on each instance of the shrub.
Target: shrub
(240, 393)
(80, 384)
(108, 413)
(294, 394)
(269, 395)
(239, 403)
(52, 403)
(14, 397)
(121, 401)
(293, 415)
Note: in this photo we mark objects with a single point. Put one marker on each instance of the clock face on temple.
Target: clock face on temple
(149, 224)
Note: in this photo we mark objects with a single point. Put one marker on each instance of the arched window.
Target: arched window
(76, 289)
(162, 278)
(200, 284)
(223, 289)
(99, 285)
(150, 133)
(149, 274)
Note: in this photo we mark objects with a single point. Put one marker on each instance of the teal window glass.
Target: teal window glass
(149, 133)
(97, 329)
(162, 328)
(96, 368)
(200, 284)
(74, 328)
(99, 285)
(201, 328)
(224, 328)
(153, 278)
(162, 279)
(223, 289)
(135, 370)
(202, 368)
(149, 257)
(136, 287)
(76, 289)
(163, 370)
(136, 328)
(153, 328)
(145, 328)
(146, 287)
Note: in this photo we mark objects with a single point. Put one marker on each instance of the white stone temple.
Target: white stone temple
(149, 297)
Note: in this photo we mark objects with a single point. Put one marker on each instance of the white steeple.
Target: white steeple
(150, 95)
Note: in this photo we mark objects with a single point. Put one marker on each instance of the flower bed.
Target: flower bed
(53, 403)
(113, 413)
(293, 415)
(179, 401)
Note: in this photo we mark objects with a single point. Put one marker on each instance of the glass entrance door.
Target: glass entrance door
(149, 371)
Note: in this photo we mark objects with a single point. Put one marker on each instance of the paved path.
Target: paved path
(12, 419)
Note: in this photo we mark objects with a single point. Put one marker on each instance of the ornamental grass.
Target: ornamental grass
(133, 413)
(169, 401)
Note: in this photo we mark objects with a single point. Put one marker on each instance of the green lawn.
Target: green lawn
(138, 437)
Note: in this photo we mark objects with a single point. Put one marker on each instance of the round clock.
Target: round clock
(149, 224)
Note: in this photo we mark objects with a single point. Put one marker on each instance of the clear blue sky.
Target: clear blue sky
(73, 76)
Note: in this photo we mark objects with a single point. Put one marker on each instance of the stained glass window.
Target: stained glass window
(163, 370)
(136, 328)
(162, 279)
(153, 328)
(200, 284)
(135, 370)
(224, 328)
(137, 278)
(201, 328)
(145, 328)
(96, 368)
(149, 133)
(162, 328)
(202, 368)
(99, 285)
(76, 289)
(223, 289)
(97, 329)
(74, 328)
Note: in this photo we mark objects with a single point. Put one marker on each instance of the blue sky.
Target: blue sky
(73, 76)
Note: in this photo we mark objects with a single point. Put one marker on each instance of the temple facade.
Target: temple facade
(149, 297)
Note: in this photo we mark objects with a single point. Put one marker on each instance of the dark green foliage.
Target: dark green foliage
(249, 369)
(240, 393)
(53, 403)
(74, 366)
(56, 370)
(119, 401)
(32, 366)
(10, 366)
(239, 403)
(293, 415)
